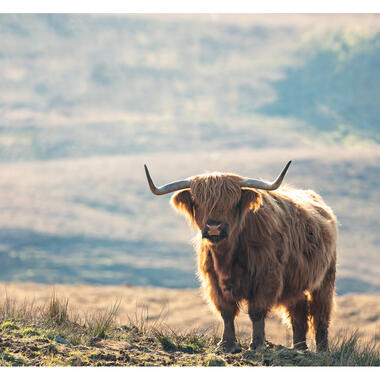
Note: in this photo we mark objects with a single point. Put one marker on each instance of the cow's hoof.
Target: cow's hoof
(260, 347)
(302, 346)
(228, 347)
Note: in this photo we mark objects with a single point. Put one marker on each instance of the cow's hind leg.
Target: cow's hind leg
(258, 328)
(320, 309)
(298, 313)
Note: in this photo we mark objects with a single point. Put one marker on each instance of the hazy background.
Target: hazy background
(86, 100)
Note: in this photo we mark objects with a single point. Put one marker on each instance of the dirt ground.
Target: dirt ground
(19, 350)
(187, 310)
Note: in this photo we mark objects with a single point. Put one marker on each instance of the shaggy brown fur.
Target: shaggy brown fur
(280, 251)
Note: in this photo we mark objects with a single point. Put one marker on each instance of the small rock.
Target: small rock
(94, 341)
(42, 340)
(215, 361)
(109, 357)
(124, 355)
(132, 347)
(61, 340)
(143, 349)
(76, 362)
(50, 349)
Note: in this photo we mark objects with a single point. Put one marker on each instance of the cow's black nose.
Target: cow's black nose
(215, 231)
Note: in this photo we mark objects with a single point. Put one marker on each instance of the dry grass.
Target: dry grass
(54, 335)
(99, 323)
(349, 350)
(57, 319)
(183, 310)
(57, 310)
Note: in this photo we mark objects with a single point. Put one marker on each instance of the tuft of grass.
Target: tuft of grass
(190, 343)
(8, 308)
(166, 343)
(57, 310)
(348, 350)
(29, 331)
(12, 311)
(99, 324)
(138, 323)
(8, 325)
(194, 344)
(286, 357)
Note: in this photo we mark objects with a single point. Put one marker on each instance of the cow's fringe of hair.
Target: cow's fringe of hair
(214, 194)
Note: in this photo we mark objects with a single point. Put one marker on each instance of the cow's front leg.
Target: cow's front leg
(258, 329)
(228, 342)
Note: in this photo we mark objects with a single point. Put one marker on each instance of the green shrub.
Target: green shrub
(30, 332)
(8, 325)
(166, 342)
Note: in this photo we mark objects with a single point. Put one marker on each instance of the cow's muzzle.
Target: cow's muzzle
(215, 231)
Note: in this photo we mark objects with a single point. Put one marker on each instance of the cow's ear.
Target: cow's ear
(183, 202)
(250, 200)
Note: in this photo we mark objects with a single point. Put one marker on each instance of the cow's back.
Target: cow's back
(292, 237)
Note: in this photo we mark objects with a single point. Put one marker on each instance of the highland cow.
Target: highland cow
(262, 246)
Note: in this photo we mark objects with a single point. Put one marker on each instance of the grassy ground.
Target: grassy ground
(186, 309)
(54, 335)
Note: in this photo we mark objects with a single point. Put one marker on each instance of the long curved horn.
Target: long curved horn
(257, 184)
(169, 188)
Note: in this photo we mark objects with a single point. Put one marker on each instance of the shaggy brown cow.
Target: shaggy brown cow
(263, 247)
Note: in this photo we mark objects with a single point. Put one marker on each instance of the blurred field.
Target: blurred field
(86, 100)
(95, 220)
(185, 310)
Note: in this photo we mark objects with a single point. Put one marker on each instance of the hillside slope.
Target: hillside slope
(95, 220)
